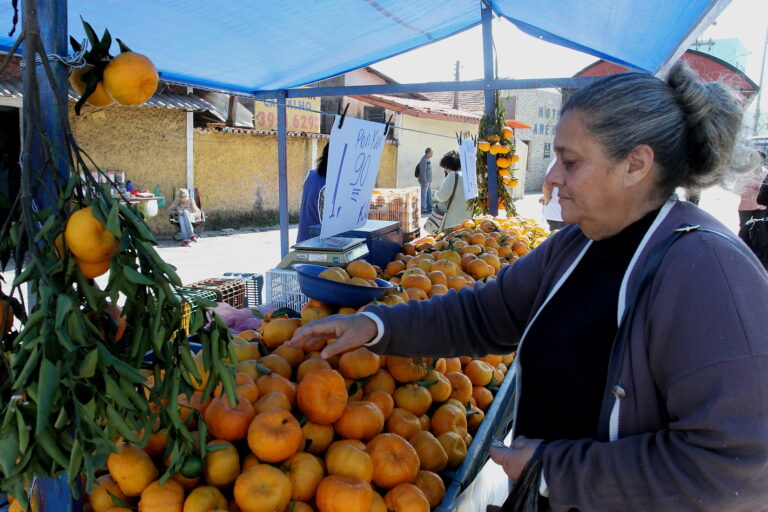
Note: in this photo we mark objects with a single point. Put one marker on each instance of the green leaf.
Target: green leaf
(63, 308)
(21, 427)
(123, 47)
(9, 451)
(135, 277)
(75, 45)
(106, 40)
(90, 33)
(113, 221)
(118, 421)
(88, 366)
(48, 380)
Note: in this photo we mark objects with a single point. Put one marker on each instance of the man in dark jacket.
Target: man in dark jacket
(425, 180)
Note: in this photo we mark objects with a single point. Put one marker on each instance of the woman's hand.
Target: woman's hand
(350, 331)
(513, 459)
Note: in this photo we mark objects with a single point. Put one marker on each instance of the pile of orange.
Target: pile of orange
(354, 433)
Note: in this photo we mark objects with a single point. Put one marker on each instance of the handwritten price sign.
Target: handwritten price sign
(353, 163)
(468, 157)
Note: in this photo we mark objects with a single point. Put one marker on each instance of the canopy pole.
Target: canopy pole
(282, 158)
(486, 17)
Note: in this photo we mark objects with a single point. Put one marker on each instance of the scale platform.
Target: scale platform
(334, 251)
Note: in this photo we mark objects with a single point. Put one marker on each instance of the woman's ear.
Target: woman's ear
(640, 163)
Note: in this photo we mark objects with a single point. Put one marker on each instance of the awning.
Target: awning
(241, 46)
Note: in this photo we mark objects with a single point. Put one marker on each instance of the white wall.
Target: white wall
(413, 144)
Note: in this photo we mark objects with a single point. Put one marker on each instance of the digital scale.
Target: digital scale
(334, 251)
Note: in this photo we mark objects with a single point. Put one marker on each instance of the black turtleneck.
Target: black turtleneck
(564, 358)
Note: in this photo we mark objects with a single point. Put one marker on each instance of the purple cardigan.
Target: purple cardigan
(691, 429)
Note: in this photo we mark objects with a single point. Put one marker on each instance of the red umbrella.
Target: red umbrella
(516, 124)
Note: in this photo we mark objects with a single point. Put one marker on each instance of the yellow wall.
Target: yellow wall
(236, 173)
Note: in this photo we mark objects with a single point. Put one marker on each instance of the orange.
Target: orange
(274, 435)
(479, 372)
(99, 97)
(431, 453)
(406, 497)
(477, 238)
(479, 269)
(425, 421)
(305, 471)
(354, 390)
(297, 506)
(130, 78)
(406, 369)
(492, 359)
(272, 400)
(361, 269)
(309, 365)
(293, 355)
(317, 437)
(348, 457)
(437, 278)
(157, 443)
(383, 401)
(359, 363)
(6, 322)
(432, 486)
(221, 465)
(132, 469)
(395, 267)
(416, 294)
(341, 493)
(314, 310)
(456, 283)
(168, 497)
(205, 499)
(475, 419)
(380, 381)
(226, 422)
(92, 270)
(262, 488)
(275, 382)
(414, 398)
(360, 420)
(278, 364)
(454, 446)
(491, 260)
(246, 387)
(417, 281)
(100, 498)
(394, 460)
(462, 386)
(249, 461)
(322, 396)
(280, 330)
(507, 359)
(378, 504)
(452, 364)
(449, 418)
(441, 389)
(483, 397)
(88, 239)
(403, 423)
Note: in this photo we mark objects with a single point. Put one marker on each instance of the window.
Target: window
(547, 150)
(375, 114)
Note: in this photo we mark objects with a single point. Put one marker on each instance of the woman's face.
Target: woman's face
(592, 187)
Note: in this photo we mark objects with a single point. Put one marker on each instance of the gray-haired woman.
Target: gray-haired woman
(642, 364)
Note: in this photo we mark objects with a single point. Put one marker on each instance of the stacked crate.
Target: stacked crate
(398, 204)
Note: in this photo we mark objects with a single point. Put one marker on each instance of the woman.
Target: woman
(549, 199)
(748, 186)
(457, 211)
(678, 420)
(311, 212)
(183, 209)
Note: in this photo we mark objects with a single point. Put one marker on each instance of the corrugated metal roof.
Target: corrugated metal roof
(10, 88)
(419, 108)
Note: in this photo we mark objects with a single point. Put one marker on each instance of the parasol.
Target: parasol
(512, 123)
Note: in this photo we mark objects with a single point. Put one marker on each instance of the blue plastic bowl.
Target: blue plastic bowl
(334, 292)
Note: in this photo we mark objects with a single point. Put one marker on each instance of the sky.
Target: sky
(523, 56)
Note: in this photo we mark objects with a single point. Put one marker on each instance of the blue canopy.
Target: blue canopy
(243, 46)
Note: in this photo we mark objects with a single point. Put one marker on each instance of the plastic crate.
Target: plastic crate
(189, 298)
(227, 290)
(282, 289)
(397, 204)
(254, 283)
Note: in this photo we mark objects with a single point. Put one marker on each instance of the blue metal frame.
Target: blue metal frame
(486, 15)
(282, 163)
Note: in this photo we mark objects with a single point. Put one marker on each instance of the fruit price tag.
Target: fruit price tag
(468, 158)
(353, 164)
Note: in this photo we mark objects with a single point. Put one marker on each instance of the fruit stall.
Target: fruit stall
(122, 389)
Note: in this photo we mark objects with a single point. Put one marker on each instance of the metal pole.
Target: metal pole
(282, 158)
(755, 127)
(46, 21)
(486, 16)
(190, 123)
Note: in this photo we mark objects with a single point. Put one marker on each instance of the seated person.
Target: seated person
(184, 210)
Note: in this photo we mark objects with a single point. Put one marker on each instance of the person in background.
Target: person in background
(549, 199)
(747, 187)
(458, 210)
(640, 328)
(184, 210)
(311, 211)
(424, 175)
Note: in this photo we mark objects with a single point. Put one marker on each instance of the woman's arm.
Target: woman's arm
(173, 208)
(446, 188)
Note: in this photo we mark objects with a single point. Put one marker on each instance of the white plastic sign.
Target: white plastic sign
(353, 164)
(468, 158)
